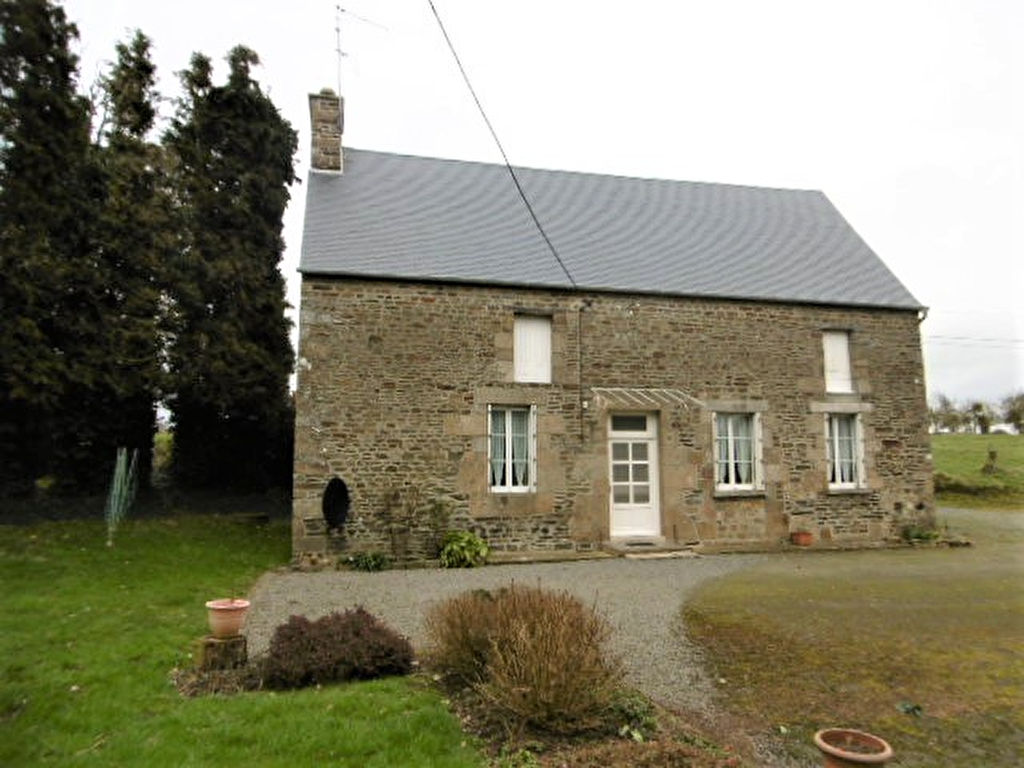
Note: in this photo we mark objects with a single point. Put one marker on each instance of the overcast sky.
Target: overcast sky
(908, 114)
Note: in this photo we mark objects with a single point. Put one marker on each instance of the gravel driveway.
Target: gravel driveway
(641, 598)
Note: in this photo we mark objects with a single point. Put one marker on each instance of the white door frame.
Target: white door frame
(633, 498)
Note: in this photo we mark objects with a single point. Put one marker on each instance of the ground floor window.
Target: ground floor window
(845, 450)
(512, 447)
(737, 451)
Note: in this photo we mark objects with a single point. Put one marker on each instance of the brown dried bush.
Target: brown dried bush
(539, 658)
(460, 630)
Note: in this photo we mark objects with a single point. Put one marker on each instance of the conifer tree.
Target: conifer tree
(49, 284)
(135, 248)
(230, 357)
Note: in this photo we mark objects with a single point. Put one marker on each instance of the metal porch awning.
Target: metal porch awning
(644, 397)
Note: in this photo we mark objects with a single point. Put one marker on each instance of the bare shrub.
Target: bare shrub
(539, 658)
(460, 631)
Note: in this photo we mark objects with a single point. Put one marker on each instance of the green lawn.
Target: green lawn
(89, 634)
(959, 480)
(864, 639)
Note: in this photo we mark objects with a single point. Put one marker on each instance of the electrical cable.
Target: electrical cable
(497, 141)
(989, 340)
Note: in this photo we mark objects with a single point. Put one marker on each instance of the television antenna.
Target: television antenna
(341, 54)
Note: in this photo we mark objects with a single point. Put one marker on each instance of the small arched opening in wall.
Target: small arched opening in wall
(335, 503)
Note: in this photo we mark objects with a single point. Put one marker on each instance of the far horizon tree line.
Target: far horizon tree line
(976, 416)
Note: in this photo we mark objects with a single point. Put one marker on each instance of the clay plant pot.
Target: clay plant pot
(847, 748)
(801, 538)
(226, 616)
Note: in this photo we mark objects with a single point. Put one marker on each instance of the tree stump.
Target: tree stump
(990, 465)
(223, 652)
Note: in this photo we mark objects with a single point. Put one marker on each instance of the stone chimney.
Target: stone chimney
(327, 121)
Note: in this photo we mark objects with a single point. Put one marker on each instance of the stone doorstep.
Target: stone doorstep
(644, 548)
(545, 556)
(664, 555)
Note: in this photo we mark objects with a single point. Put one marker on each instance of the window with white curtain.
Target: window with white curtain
(737, 451)
(845, 450)
(531, 349)
(512, 448)
(838, 374)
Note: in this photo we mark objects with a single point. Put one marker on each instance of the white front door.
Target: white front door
(633, 470)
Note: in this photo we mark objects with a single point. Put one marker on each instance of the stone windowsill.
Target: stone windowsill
(753, 493)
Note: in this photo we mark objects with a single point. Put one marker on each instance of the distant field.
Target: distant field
(960, 481)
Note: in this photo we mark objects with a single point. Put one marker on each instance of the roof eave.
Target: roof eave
(340, 275)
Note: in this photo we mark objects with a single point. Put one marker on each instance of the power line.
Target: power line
(978, 343)
(998, 339)
(494, 135)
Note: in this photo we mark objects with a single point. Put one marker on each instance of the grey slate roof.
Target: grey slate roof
(398, 216)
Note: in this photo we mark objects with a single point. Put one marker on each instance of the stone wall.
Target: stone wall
(395, 379)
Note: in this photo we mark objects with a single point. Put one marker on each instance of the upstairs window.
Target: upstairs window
(532, 349)
(512, 448)
(845, 450)
(737, 452)
(838, 376)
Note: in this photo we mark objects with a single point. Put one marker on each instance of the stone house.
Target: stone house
(669, 363)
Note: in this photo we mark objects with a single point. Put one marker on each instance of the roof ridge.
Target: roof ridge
(598, 174)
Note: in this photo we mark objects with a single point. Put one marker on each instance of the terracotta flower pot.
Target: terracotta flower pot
(801, 538)
(226, 616)
(847, 748)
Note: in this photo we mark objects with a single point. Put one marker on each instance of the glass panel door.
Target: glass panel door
(633, 451)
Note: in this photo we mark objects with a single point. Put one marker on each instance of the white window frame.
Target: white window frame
(757, 469)
(836, 355)
(531, 349)
(832, 450)
(509, 485)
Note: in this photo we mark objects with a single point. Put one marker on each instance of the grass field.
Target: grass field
(88, 635)
(959, 480)
(920, 646)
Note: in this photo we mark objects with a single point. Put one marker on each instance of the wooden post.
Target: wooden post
(223, 652)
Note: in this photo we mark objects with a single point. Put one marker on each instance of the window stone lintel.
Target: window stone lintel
(737, 406)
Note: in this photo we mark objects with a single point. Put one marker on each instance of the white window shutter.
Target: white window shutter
(490, 451)
(858, 432)
(758, 447)
(533, 447)
(838, 376)
(828, 444)
(532, 349)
